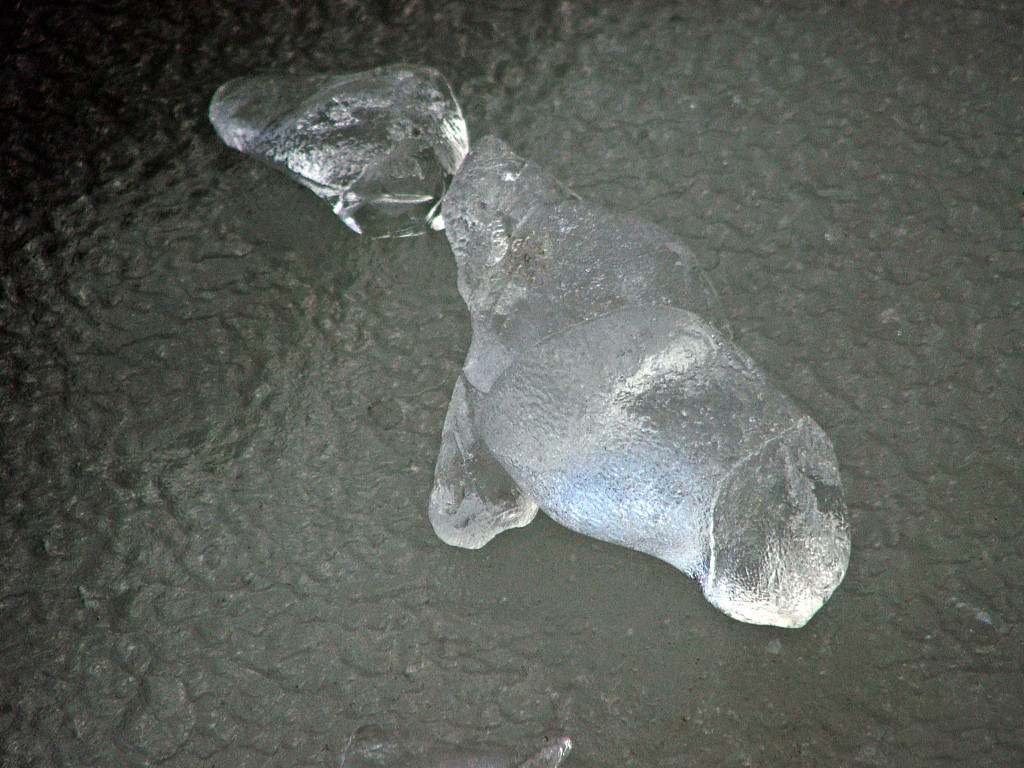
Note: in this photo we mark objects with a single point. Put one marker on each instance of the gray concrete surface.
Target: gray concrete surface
(221, 409)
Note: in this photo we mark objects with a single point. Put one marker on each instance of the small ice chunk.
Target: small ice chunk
(596, 383)
(380, 146)
(477, 496)
(374, 747)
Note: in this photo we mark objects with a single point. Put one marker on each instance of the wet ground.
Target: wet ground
(221, 409)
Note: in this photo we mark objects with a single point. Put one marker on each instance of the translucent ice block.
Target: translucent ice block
(379, 146)
(596, 390)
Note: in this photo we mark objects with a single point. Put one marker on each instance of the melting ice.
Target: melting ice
(598, 386)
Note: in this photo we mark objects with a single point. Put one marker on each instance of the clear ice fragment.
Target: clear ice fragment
(380, 146)
(596, 383)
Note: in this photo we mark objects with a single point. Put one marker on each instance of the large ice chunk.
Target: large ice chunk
(596, 390)
(379, 146)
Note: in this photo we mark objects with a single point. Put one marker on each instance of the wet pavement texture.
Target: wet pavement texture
(220, 408)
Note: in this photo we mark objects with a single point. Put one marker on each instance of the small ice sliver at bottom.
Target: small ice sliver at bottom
(372, 746)
(598, 386)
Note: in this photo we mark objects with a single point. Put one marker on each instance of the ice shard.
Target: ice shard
(380, 146)
(596, 390)
(374, 747)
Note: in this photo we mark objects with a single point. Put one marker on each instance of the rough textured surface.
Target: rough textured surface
(220, 410)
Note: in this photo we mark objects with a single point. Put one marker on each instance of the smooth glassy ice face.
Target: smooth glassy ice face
(379, 146)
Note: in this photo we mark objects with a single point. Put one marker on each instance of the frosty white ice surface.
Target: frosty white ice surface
(373, 747)
(379, 146)
(595, 390)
